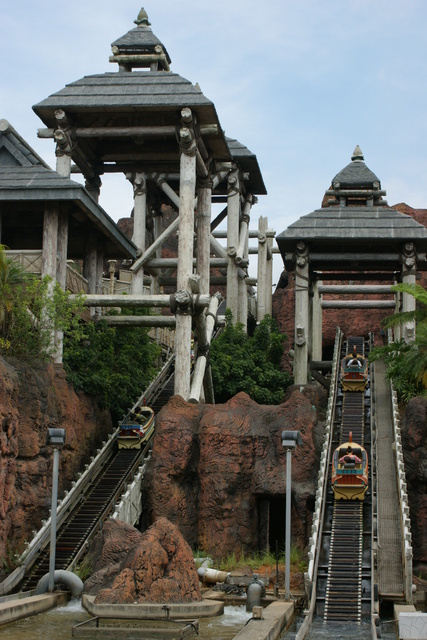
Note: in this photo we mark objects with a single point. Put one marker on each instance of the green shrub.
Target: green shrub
(114, 364)
(30, 310)
(249, 363)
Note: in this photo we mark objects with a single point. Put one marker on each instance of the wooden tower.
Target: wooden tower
(164, 135)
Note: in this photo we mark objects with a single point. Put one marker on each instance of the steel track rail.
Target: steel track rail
(343, 595)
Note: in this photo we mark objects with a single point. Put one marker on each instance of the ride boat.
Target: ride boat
(136, 429)
(349, 471)
(354, 372)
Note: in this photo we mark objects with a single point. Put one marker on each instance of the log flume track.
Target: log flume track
(343, 579)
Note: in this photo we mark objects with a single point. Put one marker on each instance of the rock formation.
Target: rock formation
(218, 471)
(132, 567)
(32, 400)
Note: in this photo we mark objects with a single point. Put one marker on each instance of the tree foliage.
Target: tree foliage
(406, 363)
(30, 310)
(115, 364)
(249, 363)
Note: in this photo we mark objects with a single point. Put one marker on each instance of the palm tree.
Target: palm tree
(407, 362)
(420, 313)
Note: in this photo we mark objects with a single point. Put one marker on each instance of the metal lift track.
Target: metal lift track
(343, 582)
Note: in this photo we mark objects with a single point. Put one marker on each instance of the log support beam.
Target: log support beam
(139, 183)
(187, 189)
(233, 205)
(301, 314)
(262, 292)
(316, 323)
(409, 273)
(205, 325)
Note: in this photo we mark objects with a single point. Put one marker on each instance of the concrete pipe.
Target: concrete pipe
(69, 579)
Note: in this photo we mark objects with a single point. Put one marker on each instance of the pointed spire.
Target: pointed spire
(357, 154)
(142, 19)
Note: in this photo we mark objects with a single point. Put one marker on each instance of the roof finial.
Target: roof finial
(357, 154)
(142, 19)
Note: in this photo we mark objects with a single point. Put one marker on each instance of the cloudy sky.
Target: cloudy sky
(299, 82)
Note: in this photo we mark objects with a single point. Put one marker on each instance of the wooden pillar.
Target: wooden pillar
(409, 273)
(50, 240)
(262, 269)
(187, 188)
(316, 323)
(139, 224)
(301, 314)
(62, 136)
(397, 331)
(242, 254)
(90, 266)
(233, 217)
(50, 249)
(99, 269)
(112, 271)
(203, 219)
(93, 186)
(157, 228)
(61, 275)
(269, 274)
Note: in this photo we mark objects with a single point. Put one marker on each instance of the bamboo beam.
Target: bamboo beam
(132, 300)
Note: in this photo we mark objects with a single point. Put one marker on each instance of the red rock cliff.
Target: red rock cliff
(31, 401)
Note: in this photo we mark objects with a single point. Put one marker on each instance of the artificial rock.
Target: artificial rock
(156, 566)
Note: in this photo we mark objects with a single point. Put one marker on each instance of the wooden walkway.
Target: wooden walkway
(390, 564)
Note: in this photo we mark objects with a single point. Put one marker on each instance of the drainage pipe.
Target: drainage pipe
(73, 582)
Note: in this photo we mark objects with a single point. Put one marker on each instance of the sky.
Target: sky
(298, 82)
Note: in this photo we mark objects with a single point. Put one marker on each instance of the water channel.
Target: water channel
(57, 624)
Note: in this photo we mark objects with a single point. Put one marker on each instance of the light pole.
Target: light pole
(57, 438)
(290, 439)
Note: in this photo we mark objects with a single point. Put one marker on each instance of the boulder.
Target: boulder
(156, 566)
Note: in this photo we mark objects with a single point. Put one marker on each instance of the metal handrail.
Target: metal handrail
(407, 553)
